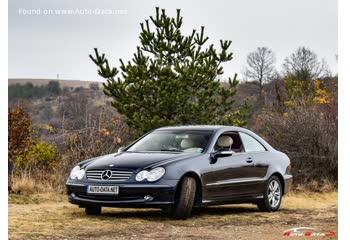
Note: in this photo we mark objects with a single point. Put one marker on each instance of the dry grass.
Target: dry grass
(50, 216)
(302, 200)
(325, 185)
(42, 182)
(23, 185)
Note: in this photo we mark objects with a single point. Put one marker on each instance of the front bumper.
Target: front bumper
(130, 194)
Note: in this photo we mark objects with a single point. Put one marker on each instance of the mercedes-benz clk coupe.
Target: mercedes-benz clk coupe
(179, 168)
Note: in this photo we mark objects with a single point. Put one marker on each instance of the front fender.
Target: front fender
(197, 165)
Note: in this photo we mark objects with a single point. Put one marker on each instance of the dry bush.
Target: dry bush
(23, 185)
(19, 134)
(73, 128)
(27, 156)
(51, 182)
(100, 137)
(39, 182)
(83, 127)
(300, 118)
(322, 186)
(309, 137)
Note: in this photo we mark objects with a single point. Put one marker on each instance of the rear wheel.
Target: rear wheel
(93, 210)
(183, 205)
(272, 195)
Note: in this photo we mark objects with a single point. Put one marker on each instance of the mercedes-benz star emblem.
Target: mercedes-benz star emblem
(106, 175)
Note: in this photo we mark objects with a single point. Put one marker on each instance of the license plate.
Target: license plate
(112, 190)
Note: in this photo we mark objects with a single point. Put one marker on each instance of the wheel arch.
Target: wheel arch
(280, 178)
(199, 187)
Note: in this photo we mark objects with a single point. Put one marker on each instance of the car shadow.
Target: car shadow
(154, 214)
(224, 210)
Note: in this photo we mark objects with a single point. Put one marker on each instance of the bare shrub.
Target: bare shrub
(38, 182)
(100, 137)
(46, 141)
(309, 137)
(52, 181)
(322, 186)
(19, 134)
(23, 185)
(98, 132)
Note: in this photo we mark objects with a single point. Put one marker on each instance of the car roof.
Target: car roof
(200, 127)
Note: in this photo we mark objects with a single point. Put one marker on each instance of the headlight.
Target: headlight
(142, 175)
(151, 176)
(155, 174)
(77, 173)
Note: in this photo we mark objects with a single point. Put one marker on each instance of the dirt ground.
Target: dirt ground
(52, 217)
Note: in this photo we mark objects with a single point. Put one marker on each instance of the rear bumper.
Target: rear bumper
(288, 180)
(130, 195)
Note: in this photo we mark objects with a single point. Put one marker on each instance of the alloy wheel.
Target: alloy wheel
(274, 193)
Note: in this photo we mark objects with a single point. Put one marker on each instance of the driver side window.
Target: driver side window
(229, 141)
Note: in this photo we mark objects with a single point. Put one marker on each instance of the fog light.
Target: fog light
(72, 194)
(148, 198)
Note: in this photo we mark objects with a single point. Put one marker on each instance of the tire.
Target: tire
(272, 195)
(183, 205)
(93, 210)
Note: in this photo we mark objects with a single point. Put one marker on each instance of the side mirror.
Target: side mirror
(121, 149)
(219, 154)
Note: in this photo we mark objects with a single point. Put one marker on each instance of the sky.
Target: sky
(44, 41)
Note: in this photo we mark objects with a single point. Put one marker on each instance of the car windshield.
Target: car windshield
(173, 141)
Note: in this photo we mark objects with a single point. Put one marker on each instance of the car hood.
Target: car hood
(135, 160)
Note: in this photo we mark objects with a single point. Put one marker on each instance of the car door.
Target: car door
(258, 155)
(233, 173)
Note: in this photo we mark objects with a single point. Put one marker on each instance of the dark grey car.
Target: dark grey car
(181, 167)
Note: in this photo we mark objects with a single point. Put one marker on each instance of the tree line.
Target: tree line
(304, 64)
(30, 91)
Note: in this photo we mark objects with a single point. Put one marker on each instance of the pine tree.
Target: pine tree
(173, 79)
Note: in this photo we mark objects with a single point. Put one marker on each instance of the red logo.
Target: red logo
(308, 231)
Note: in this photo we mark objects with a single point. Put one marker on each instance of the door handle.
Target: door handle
(249, 160)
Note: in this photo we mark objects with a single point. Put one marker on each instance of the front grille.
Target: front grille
(117, 175)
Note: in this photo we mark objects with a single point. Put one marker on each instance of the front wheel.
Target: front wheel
(272, 195)
(183, 205)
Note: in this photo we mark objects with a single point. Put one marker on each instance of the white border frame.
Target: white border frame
(344, 119)
(3, 116)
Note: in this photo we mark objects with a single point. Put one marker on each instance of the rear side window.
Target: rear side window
(251, 144)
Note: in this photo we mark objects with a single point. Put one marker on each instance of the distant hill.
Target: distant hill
(41, 82)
